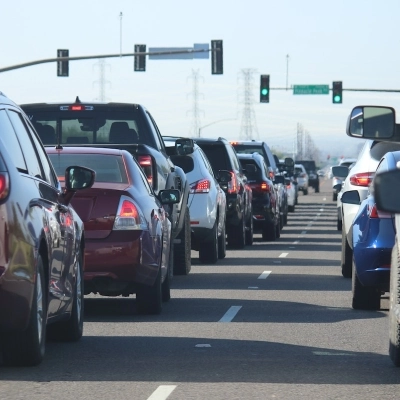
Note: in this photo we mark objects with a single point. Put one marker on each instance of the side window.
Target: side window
(27, 146)
(206, 162)
(11, 142)
(233, 157)
(46, 164)
(157, 135)
(382, 166)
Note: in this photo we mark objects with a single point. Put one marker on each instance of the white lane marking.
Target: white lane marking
(321, 209)
(253, 287)
(203, 345)
(283, 255)
(264, 275)
(230, 314)
(324, 199)
(327, 353)
(162, 392)
(296, 242)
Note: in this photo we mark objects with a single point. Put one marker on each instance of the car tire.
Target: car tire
(208, 251)
(237, 235)
(339, 224)
(347, 257)
(363, 297)
(394, 324)
(285, 217)
(305, 191)
(27, 348)
(166, 285)
(334, 197)
(268, 231)
(291, 208)
(149, 298)
(182, 250)
(250, 231)
(222, 243)
(317, 189)
(72, 329)
(278, 230)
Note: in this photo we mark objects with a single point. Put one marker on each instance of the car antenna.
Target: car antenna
(77, 100)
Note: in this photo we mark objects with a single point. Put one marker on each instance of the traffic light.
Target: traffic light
(217, 60)
(264, 89)
(337, 92)
(62, 66)
(140, 61)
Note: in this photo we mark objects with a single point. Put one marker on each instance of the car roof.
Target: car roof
(84, 150)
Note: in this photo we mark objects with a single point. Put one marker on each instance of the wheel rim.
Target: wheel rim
(78, 292)
(39, 306)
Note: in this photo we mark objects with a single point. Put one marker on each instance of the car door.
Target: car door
(45, 205)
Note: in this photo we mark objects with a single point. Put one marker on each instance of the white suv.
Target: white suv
(302, 178)
(207, 203)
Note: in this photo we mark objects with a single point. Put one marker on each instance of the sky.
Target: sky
(308, 42)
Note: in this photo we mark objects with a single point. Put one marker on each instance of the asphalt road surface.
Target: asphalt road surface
(272, 321)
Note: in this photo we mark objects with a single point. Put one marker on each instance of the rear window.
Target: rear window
(108, 168)
(308, 165)
(217, 156)
(251, 175)
(106, 125)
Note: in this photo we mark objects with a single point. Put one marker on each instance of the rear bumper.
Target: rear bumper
(120, 261)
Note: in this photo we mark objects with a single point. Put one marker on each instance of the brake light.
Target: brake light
(201, 186)
(373, 212)
(362, 179)
(128, 216)
(76, 107)
(260, 187)
(4, 185)
(233, 185)
(146, 162)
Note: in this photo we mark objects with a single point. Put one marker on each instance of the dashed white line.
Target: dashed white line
(283, 255)
(296, 242)
(264, 275)
(162, 392)
(230, 314)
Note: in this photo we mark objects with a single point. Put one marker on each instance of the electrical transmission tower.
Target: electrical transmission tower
(249, 126)
(102, 82)
(195, 111)
(300, 132)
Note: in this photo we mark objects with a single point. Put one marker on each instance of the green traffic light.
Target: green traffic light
(337, 99)
(264, 91)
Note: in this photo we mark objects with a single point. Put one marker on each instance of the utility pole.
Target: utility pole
(195, 105)
(102, 80)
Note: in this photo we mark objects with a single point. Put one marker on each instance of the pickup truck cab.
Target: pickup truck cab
(125, 126)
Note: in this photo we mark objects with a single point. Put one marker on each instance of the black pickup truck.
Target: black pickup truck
(124, 126)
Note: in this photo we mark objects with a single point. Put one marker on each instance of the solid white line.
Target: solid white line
(162, 392)
(264, 275)
(283, 255)
(321, 209)
(230, 314)
(296, 242)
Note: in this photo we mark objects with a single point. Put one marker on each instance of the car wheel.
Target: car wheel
(317, 189)
(149, 298)
(339, 224)
(250, 231)
(182, 250)
(72, 329)
(268, 231)
(291, 208)
(236, 235)
(305, 191)
(394, 324)
(208, 251)
(222, 243)
(285, 216)
(364, 298)
(166, 285)
(334, 197)
(27, 348)
(347, 257)
(281, 221)
(278, 230)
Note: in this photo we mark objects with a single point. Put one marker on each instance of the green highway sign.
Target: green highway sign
(310, 89)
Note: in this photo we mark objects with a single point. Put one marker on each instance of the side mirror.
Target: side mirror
(224, 176)
(337, 187)
(184, 146)
(77, 178)
(372, 122)
(386, 198)
(351, 197)
(340, 171)
(289, 162)
(169, 196)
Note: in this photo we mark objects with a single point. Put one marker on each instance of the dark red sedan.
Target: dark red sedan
(127, 231)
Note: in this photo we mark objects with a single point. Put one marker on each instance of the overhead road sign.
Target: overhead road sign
(199, 50)
(310, 89)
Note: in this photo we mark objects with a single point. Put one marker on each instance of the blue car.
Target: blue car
(372, 237)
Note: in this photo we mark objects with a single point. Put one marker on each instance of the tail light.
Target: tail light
(146, 162)
(233, 185)
(373, 212)
(362, 179)
(4, 185)
(129, 216)
(201, 186)
(260, 187)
